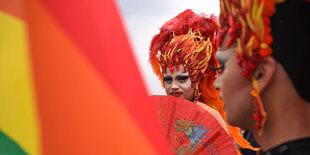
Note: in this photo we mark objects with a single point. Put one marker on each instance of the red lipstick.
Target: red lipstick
(176, 93)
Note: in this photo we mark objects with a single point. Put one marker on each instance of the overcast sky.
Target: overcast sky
(143, 18)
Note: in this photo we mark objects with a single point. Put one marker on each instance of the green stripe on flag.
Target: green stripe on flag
(9, 147)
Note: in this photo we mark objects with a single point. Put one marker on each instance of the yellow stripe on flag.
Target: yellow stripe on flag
(17, 106)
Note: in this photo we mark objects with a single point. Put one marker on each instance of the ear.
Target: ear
(217, 82)
(265, 71)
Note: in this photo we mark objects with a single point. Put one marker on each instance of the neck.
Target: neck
(288, 117)
(284, 130)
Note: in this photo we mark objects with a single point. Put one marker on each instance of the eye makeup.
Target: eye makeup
(182, 77)
(222, 67)
(167, 78)
(223, 56)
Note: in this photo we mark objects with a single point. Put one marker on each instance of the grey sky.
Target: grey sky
(143, 18)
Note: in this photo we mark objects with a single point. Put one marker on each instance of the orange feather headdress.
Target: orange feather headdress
(189, 50)
(203, 28)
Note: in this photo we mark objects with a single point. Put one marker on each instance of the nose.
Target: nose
(217, 82)
(174, 85)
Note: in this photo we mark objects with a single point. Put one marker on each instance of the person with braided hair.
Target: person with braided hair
(182, 55)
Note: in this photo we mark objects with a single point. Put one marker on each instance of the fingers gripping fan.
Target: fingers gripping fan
(190, 129)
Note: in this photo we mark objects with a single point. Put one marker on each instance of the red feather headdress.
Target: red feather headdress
(248, 23)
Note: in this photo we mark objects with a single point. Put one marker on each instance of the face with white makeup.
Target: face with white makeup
(178, 83)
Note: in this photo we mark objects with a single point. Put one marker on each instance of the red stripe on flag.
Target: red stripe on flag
(78, 112)
(13, 7)
(95, 27)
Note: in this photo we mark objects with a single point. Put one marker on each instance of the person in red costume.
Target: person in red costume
(182, 55)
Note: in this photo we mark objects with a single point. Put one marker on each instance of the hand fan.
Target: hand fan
(191, 129)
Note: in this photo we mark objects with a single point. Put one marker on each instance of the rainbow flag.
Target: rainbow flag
(69, 83)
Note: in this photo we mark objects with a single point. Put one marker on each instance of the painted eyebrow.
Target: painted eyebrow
(167, 78)
(182, 76)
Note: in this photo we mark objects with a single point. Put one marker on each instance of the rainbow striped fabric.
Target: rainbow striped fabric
(69, 83)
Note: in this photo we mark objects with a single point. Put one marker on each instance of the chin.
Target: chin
(232, 120)
(244, 124)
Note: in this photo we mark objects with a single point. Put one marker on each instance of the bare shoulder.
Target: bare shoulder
(215, 114)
